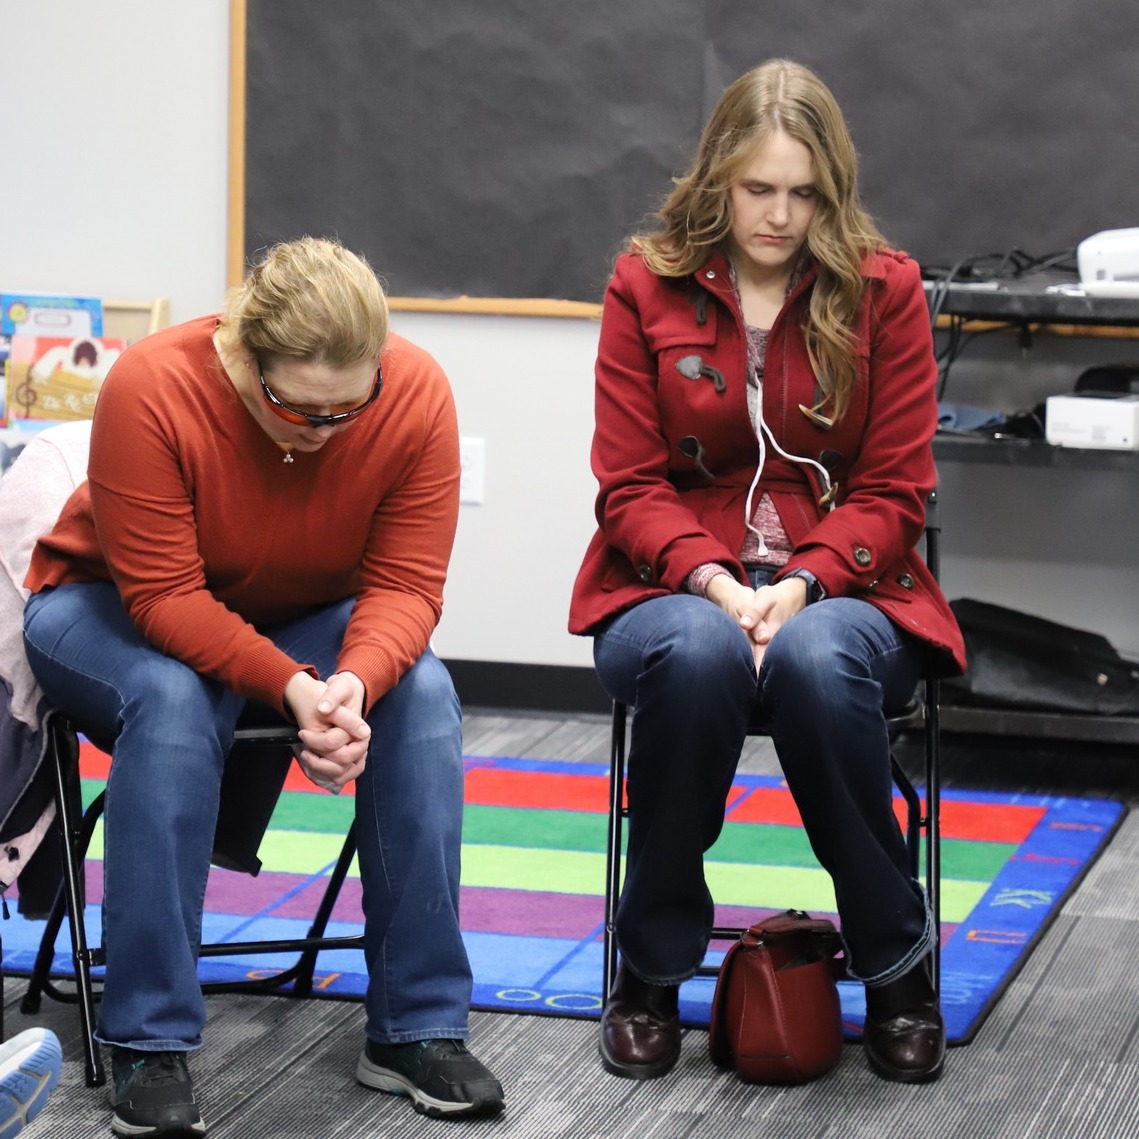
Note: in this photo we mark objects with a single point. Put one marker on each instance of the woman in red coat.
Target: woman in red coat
(764, 408)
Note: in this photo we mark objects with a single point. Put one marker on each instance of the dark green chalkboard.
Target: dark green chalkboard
(504, 148)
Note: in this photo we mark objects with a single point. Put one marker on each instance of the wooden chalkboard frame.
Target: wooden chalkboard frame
(235, 227)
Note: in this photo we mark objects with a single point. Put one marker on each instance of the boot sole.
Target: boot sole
(637, 1071)
(906, 1075)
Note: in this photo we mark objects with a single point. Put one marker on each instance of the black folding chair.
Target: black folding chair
(76, 827)
(922, 713)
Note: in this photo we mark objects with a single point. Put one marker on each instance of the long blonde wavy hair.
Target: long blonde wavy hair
(695, 219)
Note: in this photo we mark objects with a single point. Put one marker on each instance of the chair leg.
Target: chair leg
(914, 818)
(306, 967)
(933, 819)
(75, 838)
(613, 848)
(927, 821)
(300, 973)
(76, 828)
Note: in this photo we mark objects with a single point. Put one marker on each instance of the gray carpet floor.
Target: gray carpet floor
(1058, 1057)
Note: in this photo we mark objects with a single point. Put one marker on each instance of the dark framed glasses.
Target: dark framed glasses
(301, 417)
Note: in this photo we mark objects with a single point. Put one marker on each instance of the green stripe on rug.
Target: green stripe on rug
(770, 844)
(308, 811)
(303, 852)
(732, 884)
(761, 844)
(522, 838)
(526, 827)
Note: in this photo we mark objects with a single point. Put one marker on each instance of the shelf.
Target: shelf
(1039, 725)
(1029, 301)
(1051, 299)
(950, 447)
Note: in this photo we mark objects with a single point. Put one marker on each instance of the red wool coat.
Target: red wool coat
(675, 451)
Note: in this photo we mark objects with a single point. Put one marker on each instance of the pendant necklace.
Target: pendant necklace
(287, 448)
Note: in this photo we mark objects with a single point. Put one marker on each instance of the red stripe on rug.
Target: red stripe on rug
(989, 822)
(491, 786)
(976, 822)
(494, 787)
(95, 764)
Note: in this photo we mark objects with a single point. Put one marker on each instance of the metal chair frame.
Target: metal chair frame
(76, 828)
(922, 712)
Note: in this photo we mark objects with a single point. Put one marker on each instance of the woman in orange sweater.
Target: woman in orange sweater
(271, 503)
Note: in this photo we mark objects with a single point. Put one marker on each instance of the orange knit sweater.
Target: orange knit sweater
(210, 537)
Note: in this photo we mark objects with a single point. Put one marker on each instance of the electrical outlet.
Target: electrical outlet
(472, 470)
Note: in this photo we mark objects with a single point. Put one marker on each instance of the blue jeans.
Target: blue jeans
(829, 677)
(172, 729)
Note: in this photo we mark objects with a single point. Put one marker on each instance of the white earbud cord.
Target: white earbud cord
(764, 430)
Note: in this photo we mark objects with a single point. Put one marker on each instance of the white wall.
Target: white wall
(525, 385)
(113, 179)
(114, 184)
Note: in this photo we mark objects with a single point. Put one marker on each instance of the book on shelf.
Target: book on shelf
(43, 315)
(56, 379)
(5, 348)
(50, 314)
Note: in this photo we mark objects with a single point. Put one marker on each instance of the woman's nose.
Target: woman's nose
(780, 209)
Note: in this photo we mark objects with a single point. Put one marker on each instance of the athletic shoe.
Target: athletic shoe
(442, 1078)
(30, 1064)
(152, 1095)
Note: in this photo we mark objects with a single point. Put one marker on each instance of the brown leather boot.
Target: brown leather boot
(904, 1035)
(640, 1028)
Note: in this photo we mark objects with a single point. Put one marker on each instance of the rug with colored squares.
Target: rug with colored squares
(534, 871)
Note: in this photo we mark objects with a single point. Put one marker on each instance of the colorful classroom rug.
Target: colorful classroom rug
(534, 874)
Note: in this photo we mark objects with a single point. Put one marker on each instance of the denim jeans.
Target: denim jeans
(172, 730)
(829, 677)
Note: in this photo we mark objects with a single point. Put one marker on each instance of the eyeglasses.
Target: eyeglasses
(295, 415)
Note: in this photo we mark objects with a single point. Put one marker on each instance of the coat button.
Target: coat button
(645, 573)
(862, 556)
(711, 274)
(905, 581)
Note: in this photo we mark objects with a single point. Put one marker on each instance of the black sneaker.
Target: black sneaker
(443, 1079)
(152, 1095)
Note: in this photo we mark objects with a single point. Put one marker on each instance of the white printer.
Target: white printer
(1109, 263)
(1101, 420)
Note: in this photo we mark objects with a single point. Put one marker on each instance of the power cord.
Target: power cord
(1013, 264)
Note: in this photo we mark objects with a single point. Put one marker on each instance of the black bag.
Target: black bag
(1017, 660)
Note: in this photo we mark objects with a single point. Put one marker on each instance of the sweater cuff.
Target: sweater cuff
(698, 580)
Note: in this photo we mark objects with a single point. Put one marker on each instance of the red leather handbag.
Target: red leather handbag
(775, 1014)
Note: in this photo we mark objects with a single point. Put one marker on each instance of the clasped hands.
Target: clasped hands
(761, 612)
(333, 734)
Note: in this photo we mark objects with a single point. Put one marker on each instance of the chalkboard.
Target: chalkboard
(506, 148)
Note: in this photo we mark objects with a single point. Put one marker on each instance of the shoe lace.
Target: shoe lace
(158, 1069)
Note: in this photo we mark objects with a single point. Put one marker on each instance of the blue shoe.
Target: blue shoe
(30, 1064)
